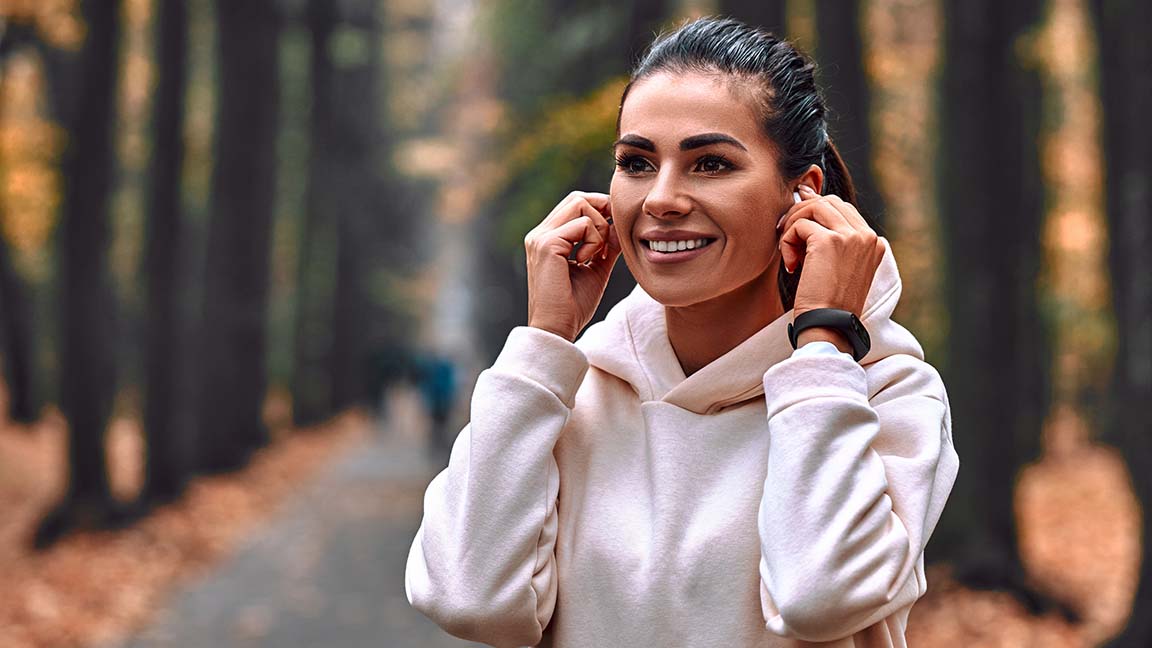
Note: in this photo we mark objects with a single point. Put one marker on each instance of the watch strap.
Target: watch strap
(841, 320)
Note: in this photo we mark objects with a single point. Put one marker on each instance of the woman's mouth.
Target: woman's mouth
(675, 251)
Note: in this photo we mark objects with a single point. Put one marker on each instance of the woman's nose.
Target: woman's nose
(667, 198)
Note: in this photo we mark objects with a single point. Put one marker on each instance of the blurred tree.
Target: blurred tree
(840, 52)
(342, 223)
(1125, 57)
(997, 378)
(17, 337)
(86, 300)
(768, 14)
(312, 397)
(16, 342)
(233, 380)
(170, 443)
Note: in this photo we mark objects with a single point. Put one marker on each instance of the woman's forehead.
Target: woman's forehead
(670, 105)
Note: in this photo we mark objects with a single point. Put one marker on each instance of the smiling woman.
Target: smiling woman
(752, 452)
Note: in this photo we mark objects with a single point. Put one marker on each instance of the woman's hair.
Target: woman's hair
(779, 78)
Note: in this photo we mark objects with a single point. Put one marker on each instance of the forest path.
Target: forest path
(329, 570)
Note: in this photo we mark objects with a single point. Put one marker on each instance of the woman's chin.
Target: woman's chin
(674, 296)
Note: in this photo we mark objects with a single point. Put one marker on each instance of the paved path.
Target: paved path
(329, 571)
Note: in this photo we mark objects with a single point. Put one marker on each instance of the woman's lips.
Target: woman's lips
(674, 257)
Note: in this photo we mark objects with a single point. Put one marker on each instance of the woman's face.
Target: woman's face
(694, 163)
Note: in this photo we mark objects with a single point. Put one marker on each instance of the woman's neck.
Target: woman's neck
(703, 332)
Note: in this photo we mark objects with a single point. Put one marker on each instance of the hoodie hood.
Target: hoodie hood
(632, 344)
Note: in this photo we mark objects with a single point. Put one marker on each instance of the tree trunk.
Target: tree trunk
(767, 14)
(346, 226)
(844, 83)
(87, 302)
(234, 380)
(315, 278)
(16, 346)
(170, 445)
(997, 380)
(1126, 55)
(17, 338)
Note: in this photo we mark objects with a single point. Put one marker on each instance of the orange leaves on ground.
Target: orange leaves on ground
(96, 587)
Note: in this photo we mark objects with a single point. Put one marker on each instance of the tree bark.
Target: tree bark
(87, 302)
(234, 380)
(170, 448)
(1125, 56)
(844, 83)
(998, 380)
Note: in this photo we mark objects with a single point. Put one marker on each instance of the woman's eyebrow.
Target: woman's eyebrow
(707, 139)
(637, 141)
(687, 144)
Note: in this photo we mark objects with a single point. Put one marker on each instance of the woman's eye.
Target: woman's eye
(632, 164)
(713, 164)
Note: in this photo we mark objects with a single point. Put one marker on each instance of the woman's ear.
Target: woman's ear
(813, 177)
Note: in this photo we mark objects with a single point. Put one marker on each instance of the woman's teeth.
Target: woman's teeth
(677, 246)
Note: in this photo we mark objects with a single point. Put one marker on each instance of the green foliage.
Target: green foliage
(570, 145)
(543, 54)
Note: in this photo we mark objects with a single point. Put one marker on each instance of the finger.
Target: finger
(851, 214)
(566, 209)
(804, 195)
(603, 264)
(794, 242)
(582, 231)
(581, 207)
(821, 211)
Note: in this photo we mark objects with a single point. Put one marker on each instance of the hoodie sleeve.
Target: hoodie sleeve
(854, 488)
(482, 564)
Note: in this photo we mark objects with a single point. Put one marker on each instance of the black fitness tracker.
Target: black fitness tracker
(844, 321)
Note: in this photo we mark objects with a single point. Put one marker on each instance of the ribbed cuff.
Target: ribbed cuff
(805, 377)
(544, 358)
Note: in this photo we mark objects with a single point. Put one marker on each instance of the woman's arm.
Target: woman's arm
(482, 564)
(853, 490)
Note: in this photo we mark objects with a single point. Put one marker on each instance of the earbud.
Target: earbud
(795, 196)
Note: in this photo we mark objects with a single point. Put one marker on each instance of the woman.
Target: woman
(680, 476)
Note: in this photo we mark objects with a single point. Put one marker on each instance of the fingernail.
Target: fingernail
(807, 189)
(780, 222)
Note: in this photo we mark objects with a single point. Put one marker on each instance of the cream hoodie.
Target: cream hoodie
(599, 498)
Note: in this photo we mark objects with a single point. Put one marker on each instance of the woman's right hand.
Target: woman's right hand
(563, 294)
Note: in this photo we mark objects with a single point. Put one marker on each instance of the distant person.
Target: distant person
(748, 452)
(437, 379)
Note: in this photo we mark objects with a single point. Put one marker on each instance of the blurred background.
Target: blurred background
(253, 254)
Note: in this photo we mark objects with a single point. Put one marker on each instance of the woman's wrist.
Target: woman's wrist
(823, 334)
(555, 330)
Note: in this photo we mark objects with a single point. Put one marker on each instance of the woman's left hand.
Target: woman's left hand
(840, 252)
